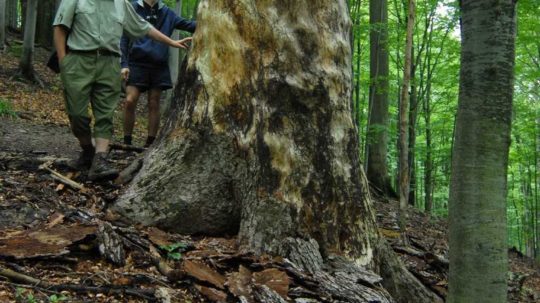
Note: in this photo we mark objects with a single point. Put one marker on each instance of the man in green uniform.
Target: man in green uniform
(90, 70)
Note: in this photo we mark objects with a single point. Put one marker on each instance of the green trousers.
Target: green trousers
(91, 79)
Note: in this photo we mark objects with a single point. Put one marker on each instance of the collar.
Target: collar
(160, 3)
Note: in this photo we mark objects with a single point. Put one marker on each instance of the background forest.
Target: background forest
(433, 100)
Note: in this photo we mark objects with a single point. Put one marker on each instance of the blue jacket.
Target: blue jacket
(145, 51)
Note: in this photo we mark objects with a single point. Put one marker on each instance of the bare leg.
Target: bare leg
(132, 97)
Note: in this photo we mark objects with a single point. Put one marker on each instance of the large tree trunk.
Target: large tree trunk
(478, 235)
(261, 141)
(26, 64)
(377, 141)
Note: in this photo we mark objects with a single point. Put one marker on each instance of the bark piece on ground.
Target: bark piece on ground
(275, 279)
(204, 273)
(359, 274)
(45, 242)
(341, 286)
(111, 244)
(239, 283)
(304, 254)
(212, 294)
(158, 237)
(264, 294)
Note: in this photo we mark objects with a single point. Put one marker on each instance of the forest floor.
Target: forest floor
(55, 240)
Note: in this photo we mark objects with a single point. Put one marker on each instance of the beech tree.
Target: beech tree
(2, 24)
(26, 63)
(377, 137)
(478, 234)
(260, 142)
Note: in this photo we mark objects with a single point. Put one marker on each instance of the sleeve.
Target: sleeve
(65, 13)
(134, 25)
(184, 24)
(124, 47)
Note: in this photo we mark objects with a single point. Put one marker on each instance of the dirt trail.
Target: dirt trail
(20, 136)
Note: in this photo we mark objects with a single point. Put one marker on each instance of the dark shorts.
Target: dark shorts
(145, 78)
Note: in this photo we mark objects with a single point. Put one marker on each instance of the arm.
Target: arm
(185, 25)
(124, 48)
(154, 34)
(60, 37)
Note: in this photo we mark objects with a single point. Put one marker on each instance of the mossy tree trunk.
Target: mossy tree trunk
(478, 231)
(260, 141)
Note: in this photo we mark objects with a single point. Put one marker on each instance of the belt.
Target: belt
(98, 52)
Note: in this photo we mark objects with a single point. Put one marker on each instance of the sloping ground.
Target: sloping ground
(57, 243)
(427, 256)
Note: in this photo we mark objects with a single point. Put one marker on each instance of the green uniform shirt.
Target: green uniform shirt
(99, 24)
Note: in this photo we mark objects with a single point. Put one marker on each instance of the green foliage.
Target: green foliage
(174, 251)
(57, 298)
(5, 109)
(24, 296)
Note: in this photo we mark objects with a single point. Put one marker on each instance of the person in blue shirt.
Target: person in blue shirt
(145, 65)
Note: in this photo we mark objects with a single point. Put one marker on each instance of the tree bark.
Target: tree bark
(26, 62)
(477, 214)
(2, 24)
(403, 120)
(12, 14)
(174, 57)
(44, 32)
(377, 137)
(260, 140)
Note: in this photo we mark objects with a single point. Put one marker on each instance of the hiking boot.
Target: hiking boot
(101, 169)
(85, 159)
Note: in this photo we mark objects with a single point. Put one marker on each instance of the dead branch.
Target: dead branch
(59, 177)
(111, 289)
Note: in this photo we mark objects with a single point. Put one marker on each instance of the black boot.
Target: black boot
(127, 140)
(85, 158)
(149, 141)
(101, 169)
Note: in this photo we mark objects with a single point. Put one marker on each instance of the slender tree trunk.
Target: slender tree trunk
(536, 185)
(413, 113)
(12, 15)
(46, 13)
(478, 231)
(263, 144)
(403, 120)
(377, 137)
(26, 64)
(174, 57)
(428, 162)
(2, 24)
